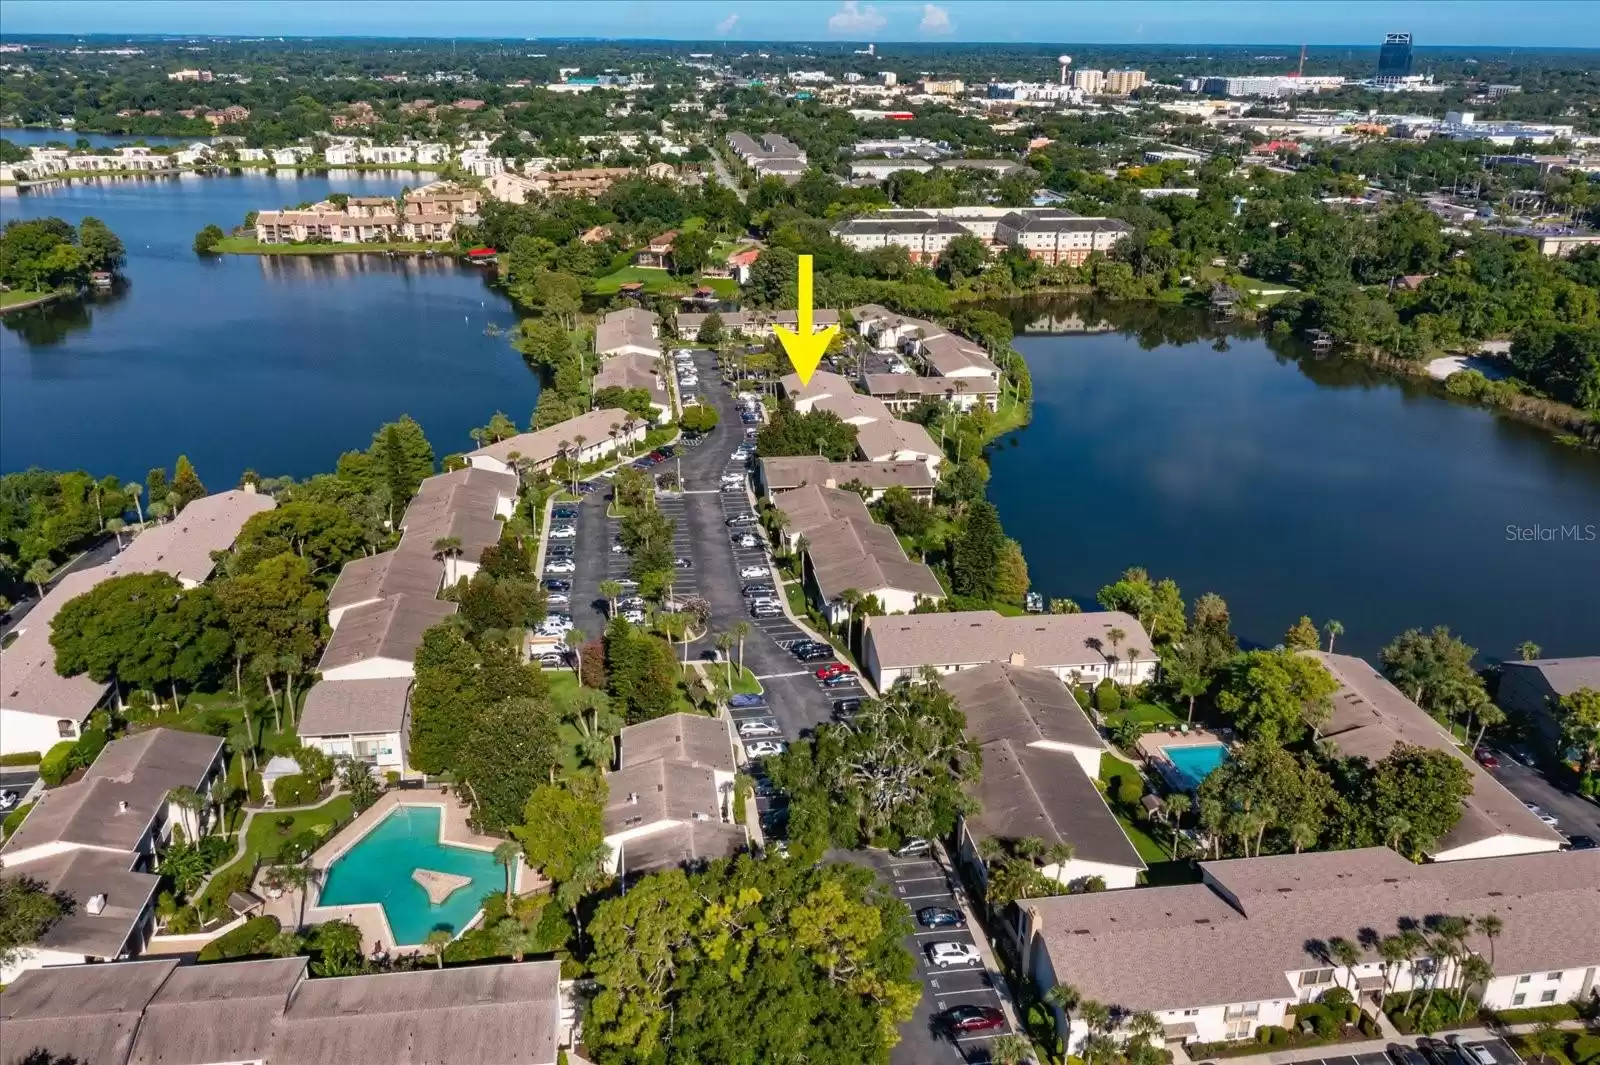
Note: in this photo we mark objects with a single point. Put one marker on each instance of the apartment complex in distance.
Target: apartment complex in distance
(774, 155)
(1122, 82)
(1049, 234)
(430, 214)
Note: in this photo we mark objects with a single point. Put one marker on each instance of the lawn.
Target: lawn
(247, 246)
(1112, 767)
(1145, 714)
(264, 838)
(660, 281)
(16, 297)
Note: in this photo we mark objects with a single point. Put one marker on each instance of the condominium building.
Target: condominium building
(1089, 81)
(1220, 959)
(585, 438)
(670, 800)
(1122, 82)
(774, 155)
(1060, 237)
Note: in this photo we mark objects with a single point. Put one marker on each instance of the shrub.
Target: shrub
(1586, 1048)
(88, 748)
(553, 930)
(14, 819)
(1127, 788)
(295, 790)
(20, 758)
(1369, 1027)
(57, 762)
(249, 938)
(1082, 695)
(1560, 1011)
(255, 788)
(1335, 998)
(1276, 1036)
(185, 922)
(1107, 697)
(298, 848)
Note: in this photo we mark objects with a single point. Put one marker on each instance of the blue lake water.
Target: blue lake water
(378, 869)
(26, 138)
(276, 364)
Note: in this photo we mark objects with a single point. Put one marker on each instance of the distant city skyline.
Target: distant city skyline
(1462, 23)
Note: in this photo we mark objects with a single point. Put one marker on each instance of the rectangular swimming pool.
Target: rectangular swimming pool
(1193, 763)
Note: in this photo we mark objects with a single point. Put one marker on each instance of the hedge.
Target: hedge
(249, 938)
(1560, 1011)
(14, 819)
(295, 790)
(28, 758)
(88, 747)
(1107, 697)
(1586, 1048)
(57, 762)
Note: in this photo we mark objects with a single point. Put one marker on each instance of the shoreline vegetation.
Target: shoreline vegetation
(13, 300)
(248, 246)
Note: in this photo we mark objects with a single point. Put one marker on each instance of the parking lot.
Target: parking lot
(1498, 1049)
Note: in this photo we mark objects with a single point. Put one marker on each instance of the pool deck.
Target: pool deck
(369, 916)
(1152, 744)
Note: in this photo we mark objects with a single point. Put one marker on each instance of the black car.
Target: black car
(1581, 843)
(756, 591)
(820, 654)
(558, 551)
(940, 917)
(564, 513)
(554, 585)
(847, 706)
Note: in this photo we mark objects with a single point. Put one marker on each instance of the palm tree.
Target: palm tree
(1333, 628)
(1394, 830)
(1115, 637)
(1392, 950)
(1302, 834)
(514, 939)
(285, 944)
(1192, 683)
(296, 878)
(1133, 657)
(612, 590)
(577, 466)
(1475, 972)
(739, 630)
(506, 853)
(1490, 926)
(115, 527)
(1489, 716)
(1546, 1042)
(725, 642)
(264, 664)
(190, 802)
(447, 549)
(1011, 1050)
(39, 574)
(1528, 651)
(437, 941)
(851, 598)
(1344, 954)
(575, 637)
(133, 489)
(1065, 998)
(1096, 1016)
(1414, 944)
(1144, 1027)
(588, 874)
(1099, 1049)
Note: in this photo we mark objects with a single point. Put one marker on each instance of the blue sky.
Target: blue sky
(1505, 23)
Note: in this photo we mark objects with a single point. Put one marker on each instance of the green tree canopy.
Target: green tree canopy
(1277, 696)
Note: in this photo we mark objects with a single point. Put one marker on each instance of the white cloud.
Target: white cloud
(935, 19)
(726, 26)
(853, 18)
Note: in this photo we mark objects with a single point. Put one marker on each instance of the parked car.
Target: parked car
(742, 519)
(847, 706)
(750, 573)
(552, 660)
(683, 563)
(832, 669)
(1476, 1053)
(746, 541)
(944, 955)
(744, 701)
(1542, 814)
(558, 586)
(1405, 1055)
(764, 748)
(1486, 758)
(765, 613)
(940, 917)
(759, 728)
(9, 800)
(633, 617)
(561, 565)
(558, 551)
(839, 680)
(1581, 843)
(558, 599)
(816, 654)
(968, 1018)
(618, 549)
(564, 513)
(753, 591)
(915, 847)
(563, 532)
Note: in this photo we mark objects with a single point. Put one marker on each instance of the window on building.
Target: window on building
(1552, 976)
(1191, 1013)
(1517, 1000)
(1316, 977)
(1548, 996)
(66, 729)
(1523, 979)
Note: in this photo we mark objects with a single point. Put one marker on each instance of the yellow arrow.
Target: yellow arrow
(805, 348)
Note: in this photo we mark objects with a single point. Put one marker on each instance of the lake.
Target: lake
(276, 364)
(1292, 485)
(27, 138)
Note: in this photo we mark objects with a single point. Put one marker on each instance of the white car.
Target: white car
(8, 799)
(947, 954)
(766, 602)
(689, 400)
(1543, 815)
(636, 602)
(759, 728)
(750, 573)
(734, 479)
(746, 397)
(618, 549)
(747, 541)
(558, 599)
(563, 532)
(764, 748)
(633, 617)
(561, 565)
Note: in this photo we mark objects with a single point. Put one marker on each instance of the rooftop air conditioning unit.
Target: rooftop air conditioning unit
(97, 905)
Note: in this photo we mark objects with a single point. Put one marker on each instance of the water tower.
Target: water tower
(1065, 61)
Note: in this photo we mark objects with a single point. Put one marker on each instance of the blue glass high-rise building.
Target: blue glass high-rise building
(1394, 58)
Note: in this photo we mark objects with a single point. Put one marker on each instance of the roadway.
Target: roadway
(1578, 816)
(720, 168)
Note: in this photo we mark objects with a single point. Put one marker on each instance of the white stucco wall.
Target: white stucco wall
(1497, 846)
(22, 731)
(371, 669)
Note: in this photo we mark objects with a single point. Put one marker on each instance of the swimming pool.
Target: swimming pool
(1194, 763)
(378, 869)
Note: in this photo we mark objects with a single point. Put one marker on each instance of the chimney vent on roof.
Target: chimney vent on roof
(97, 905)
(633, 797)
(122, 806)
(1018, 658)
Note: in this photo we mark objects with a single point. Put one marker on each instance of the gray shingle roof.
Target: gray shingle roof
(784, 472)
(1190, 946)
(660, 790)
(81, 874)
(411, 571)
(214, 1013)
(1565, 675)
(691, 738)
(633, 371)
(390, 628)
(86, 1013)
(631, 325)
(1020, 704)
(880, 441)
(183, 546)
(544, 445)
(681, 844)
(1026, 791)
(814, 505)
(971, 637)
(352, 707)
(1370, 716)
(889, 385)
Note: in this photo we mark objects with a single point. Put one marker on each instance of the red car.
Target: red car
(832, 669)
(973, 1019)
(1486, 758)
